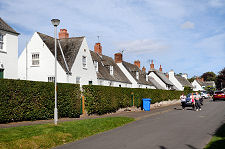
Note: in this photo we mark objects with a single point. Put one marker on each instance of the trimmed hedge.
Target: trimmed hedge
(28, 100)
(102, 99)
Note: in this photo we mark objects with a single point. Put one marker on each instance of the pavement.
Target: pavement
(165, 128)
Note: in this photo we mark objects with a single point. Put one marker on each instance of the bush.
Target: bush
(29, 100)
(103, 99)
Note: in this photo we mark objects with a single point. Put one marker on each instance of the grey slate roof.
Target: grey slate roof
(206, 83)
(131, 68)
(70, 47)
(161, 76)
(184, 82)
(155, 83)
(104, 62)
(5, 27)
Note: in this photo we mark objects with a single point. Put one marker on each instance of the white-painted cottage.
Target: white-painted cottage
(180, 81)
(74, 62)
(8, 51)
(160, 78)
(199, 84)
(137, 77)
(108, 73)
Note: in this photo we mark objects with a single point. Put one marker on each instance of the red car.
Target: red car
(218, 95)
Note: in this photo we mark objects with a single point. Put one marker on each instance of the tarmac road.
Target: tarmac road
(172, 129)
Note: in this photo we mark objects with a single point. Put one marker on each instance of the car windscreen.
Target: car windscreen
(219, 92)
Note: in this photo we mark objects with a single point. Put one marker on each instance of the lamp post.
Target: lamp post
(55, 22)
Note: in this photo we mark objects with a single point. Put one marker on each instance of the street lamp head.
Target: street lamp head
(55, 22)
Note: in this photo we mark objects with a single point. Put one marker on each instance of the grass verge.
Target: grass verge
(218, 140)
(49, 135)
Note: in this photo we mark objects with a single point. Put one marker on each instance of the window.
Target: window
(51, 79)
(96, 65)
(1, 41)
(111, 70)
(101, 82)
(77, 80)
(35, 59)
(119, 85)
(137, 75)
(90, 82)
(84, 61)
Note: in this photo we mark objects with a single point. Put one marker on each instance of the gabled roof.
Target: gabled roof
(161, 76)
(104, 62)
(155, 83)
(70, 47)
(132, 69)
(5, 27)
(184, 82)
(206, 83)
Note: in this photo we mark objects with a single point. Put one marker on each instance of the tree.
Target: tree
(220, 80)
(209, 76)
(192, 79)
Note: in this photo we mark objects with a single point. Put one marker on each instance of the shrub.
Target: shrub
(103, 99)
(29, 100)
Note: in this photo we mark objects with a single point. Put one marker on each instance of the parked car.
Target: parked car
(204, 95)
(189, 102)
(218, 95)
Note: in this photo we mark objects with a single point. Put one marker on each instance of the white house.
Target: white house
(180, 81)
(74, 62)
(138, 78)
(108, 73)
(160, 78)
(8, 51)
(199, 84)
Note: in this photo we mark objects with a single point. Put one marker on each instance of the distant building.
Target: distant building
(199, 84)
(8, 51)
(74, 62)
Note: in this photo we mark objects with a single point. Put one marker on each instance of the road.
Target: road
(173, 129)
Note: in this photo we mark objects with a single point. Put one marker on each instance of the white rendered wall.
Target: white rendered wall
(114, 83)
(197, 86)
(86, 74)
(46, 67)
(152, 74)
(175, 81)
(9, 56)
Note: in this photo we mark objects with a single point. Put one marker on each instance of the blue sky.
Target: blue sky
(187, 36)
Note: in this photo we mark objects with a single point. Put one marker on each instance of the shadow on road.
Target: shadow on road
(191, 147)
(162, 147)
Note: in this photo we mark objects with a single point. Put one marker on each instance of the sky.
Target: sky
(187, 36)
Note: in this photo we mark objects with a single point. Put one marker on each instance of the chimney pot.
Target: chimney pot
(118, 57)
(160, 69)
(98, 48)
(144, 69)
(137, 63)
(63, 34)
(152, 65)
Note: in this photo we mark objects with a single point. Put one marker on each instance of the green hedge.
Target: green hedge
(102, 99)
(29, 100)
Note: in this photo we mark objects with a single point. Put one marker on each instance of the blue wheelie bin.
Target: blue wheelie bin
(146, 104)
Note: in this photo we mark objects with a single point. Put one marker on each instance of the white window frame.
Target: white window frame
(137, 75)
(96, 65)
(84, 62)
(1, 41)
(111, 70)
(35, 59)
(51, 79)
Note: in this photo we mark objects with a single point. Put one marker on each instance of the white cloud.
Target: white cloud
(144, 46)
(188, 25)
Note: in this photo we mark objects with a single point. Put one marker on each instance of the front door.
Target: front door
(1, 73)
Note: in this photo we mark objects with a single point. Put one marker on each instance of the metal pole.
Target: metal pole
(55, 110)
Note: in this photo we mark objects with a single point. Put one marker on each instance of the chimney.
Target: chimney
(137, 63)
(98, 48)
(202, 79)
(171, 74)
(167, 75)
(185, 76)
(144, 69)
(63, 34)
(118, 57)
(160, 69)
(152, 65)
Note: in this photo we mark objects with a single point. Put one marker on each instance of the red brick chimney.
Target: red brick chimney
(63, 34)
(160, 69)
(137, 63)
(98, 48)
(144, 69)
(167, 75)
(152, 65)
(118, 57)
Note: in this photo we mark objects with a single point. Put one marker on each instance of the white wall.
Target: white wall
(157, 79)
(9, 56)
(114, 83)
(197, 86)
(175, 81)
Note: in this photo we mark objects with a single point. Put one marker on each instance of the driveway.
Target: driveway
(171, 129)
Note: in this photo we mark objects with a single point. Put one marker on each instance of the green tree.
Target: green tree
(220, 80)
(209, 76)
(192, 78)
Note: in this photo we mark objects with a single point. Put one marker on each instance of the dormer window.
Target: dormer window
(137, 75)
(111, 70)
(1, 41)
(96, 65)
